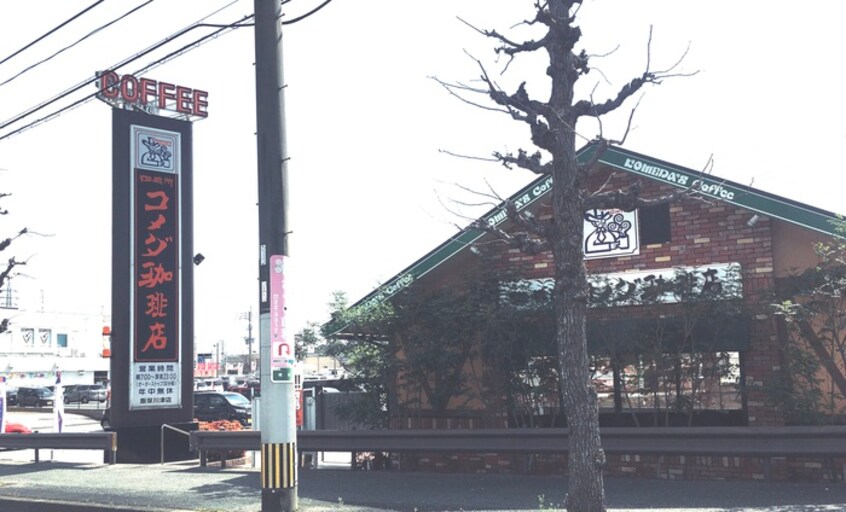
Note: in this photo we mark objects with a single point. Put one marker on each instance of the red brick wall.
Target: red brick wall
(684, 467)
(702, 233)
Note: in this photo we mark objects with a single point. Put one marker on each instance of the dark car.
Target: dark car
(12, 396)
(226, 405)
(35, 397)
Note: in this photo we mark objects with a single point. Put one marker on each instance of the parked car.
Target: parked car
(35, 397)
(12, 396)
(208, 385)
(84, 393)
(233, 381)
(249, 389)
(223, 405)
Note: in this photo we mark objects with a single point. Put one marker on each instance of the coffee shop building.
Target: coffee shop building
(681, 327)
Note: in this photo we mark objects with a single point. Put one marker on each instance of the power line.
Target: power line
(52, 31)
(184, 49)
(83, 38)
(87, 81)
(85, 99)
(306, 15)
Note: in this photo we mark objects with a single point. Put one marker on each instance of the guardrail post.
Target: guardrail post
(113, 457)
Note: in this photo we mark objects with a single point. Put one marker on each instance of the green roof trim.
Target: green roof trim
(727, 191)
(765, 203)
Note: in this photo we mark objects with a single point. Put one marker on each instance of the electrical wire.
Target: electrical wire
(83, 38)
(54, 30)
(85, 99)
(87, 81)
(306, 15)
(184, 49)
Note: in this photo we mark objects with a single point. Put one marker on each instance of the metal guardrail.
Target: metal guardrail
(106, 441)
(764, 442)
(161, 439)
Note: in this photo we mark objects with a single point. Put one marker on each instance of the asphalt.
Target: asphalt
(75, 482)
(183, 487)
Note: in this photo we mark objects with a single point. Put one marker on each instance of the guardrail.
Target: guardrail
(106, 441)
(161, 439)
(765, 442)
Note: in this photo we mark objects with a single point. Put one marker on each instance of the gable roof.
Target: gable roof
(758, 201)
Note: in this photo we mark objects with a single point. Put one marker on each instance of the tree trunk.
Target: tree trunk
(586, 457)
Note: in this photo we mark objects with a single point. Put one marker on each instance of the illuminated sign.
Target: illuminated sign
(150, 95)
(156, 250)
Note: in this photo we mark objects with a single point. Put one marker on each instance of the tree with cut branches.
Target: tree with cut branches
(8, 271)
(552, 125)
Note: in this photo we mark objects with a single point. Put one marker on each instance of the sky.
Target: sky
(374, 182)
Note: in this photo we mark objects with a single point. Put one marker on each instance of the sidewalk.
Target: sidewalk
(78, 481)
(69, 487)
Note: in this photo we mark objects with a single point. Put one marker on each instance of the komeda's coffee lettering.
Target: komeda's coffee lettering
(146, 92)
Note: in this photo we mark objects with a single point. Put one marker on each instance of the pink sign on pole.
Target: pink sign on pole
(282, 358)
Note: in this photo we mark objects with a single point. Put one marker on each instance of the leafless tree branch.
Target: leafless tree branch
(451, 88)
(469, 157)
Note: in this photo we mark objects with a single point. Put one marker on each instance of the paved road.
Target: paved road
(68, 487)
(77, 486)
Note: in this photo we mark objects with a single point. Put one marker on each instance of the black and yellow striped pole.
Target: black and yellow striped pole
(278, 414)
(278, 465)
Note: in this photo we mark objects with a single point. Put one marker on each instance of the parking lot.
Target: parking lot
(39, 421)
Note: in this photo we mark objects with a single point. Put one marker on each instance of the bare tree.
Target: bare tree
(7, 271)
(552, 126)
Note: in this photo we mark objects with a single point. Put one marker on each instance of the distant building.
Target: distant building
(40, 343)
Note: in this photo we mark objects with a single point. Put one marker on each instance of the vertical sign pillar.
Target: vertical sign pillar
(276, 354)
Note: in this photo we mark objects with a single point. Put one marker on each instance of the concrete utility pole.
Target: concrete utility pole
(278, 416)
(249, 340)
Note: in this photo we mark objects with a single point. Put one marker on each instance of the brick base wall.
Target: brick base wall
(686, 467)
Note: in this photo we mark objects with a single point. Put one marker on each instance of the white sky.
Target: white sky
(370, 192)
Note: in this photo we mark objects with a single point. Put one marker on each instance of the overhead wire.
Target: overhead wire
(184, 49)
(44, 104)
(306, 15)
(85, 99)
(53, 30)
(83, 38)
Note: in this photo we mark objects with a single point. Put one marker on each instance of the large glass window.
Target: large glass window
(673, 383)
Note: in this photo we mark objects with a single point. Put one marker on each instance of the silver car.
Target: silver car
(85, 393)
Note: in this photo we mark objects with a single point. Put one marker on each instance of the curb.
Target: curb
(42, 505)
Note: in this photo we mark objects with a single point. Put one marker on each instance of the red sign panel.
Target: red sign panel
(156, 267)
(298, 401)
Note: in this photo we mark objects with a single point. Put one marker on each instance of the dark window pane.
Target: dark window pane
(654, 224)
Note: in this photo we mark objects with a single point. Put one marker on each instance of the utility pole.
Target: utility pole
(276, 355)
(217, 359)
(249, 340)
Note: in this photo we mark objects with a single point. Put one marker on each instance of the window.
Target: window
(672, 382)
(62, 340)
(655, 224)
